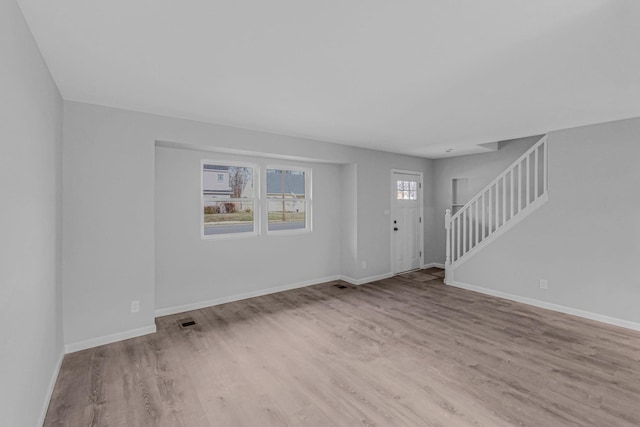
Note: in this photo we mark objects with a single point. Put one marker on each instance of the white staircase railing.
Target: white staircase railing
(520, 189)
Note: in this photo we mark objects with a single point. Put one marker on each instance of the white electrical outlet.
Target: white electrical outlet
(364, 265)
(135, 306)
(544, 284)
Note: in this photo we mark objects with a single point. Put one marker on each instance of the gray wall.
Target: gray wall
(480, 169)
(586, 239)
(30, 224)
(349, 221)
(109, 239)
(190, 270)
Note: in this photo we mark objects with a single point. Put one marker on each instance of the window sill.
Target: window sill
(228, 236)
(289, 232)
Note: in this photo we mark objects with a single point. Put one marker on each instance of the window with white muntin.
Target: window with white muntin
(288, 199)
(406, 190)
(230, 198)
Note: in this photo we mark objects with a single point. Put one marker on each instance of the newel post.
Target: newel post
(447, 226)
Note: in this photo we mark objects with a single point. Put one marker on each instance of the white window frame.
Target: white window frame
(257, 204)
(308, 200)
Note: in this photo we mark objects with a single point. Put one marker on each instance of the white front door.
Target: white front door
(406, 221)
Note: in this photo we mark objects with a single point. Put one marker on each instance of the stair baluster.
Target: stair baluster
(514, 194)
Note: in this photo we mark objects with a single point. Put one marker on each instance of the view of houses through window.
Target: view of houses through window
(230, 199)
(286, 199)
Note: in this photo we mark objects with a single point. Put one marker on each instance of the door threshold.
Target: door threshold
(408, 271)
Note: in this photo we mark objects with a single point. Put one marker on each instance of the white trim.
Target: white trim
(52, 384)
(504, 173)
(452, 222)
(256, 177)
(364, 280)
(308, 200)
(108, 339)
(433, 264)
(548, 305)
(406, 172)
(290, 232)
(237, 297)
(524, 213)
(279, 166)
(392, 201)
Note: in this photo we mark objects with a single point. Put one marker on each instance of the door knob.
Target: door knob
(395, 228)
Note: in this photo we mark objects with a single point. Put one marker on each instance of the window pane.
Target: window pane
(399, 185)
(286, 214)
(285, 183)
(413, 195)
(228, 217)
(399, 195)
(223, 182)
(413, 185)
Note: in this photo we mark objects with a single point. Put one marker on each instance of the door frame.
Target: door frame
(392, 198)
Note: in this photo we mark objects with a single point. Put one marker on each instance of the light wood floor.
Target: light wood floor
(406, 351)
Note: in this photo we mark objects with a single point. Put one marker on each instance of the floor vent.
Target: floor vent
(339, 286)
(185, 323)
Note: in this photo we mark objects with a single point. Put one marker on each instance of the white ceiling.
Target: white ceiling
(415, 77)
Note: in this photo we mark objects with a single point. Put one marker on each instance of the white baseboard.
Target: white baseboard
(548, 305)
(237, 297)
(108, 339)
(433, 264)
(52, 385)
(364, 280)
(223, 300)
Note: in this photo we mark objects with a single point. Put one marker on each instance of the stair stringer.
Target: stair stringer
(522, 215)
(497, 207)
